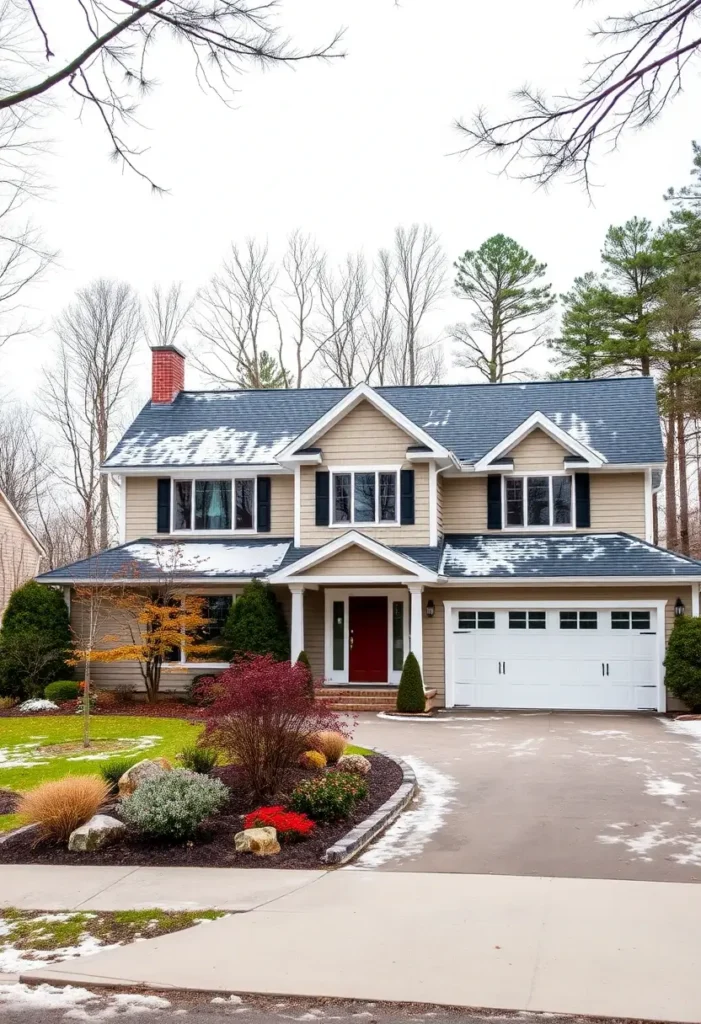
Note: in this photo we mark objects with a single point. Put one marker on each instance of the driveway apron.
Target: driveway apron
(551, 794)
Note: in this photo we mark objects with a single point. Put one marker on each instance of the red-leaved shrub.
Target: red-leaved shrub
(290, 825)
(260, 713)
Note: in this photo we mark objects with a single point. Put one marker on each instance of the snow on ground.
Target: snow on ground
(79, 1003)
(14, 961)
(416, 826)
(682, 847)
(30, 755)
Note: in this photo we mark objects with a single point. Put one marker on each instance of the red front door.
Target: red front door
(368, 639)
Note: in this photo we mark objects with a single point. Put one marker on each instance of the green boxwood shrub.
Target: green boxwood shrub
(303, 659)
(256, 625)
(329, 797)
(35, 640)
(411, 697)
(198, 759)
(173, 805)
(113, 770)
(683, 662)
(61, 691)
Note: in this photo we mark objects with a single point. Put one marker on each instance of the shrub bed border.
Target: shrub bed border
(350, 845)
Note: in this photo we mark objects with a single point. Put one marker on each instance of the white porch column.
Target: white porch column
(297, 621)
(416, 642)
(695, 600)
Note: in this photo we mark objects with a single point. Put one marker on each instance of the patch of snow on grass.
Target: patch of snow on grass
(14, 961)
(415, 827)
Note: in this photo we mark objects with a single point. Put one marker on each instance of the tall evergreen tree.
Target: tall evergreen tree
(581, 350)
(510, 307)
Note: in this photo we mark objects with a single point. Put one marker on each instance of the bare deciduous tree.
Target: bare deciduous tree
(346, 355)
(112, 42)
(96, 334)
(646, 54)
(167, 312)
(419, 282)
(24, 458)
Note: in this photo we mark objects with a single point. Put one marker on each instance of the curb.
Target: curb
(354, 841)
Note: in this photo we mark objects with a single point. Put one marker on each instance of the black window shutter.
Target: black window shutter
(582, 501)
(407, 513)
(163, 505)
(322, 497)
(494, 501)
(263, 500)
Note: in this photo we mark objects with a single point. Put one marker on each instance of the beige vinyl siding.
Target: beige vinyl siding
(112, 631)
(617, 504)
(141, 498)
(434, 628)
(141, 501)
(315, 536)
(362, 437)
(537, 451)
(19, 558)
(354, 561)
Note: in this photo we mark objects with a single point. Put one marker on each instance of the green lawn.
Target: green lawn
(350, 749)
(25, 761)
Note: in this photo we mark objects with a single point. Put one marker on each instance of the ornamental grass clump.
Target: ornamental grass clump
(329, 743)
(291, 827)
(312, 759)
(198, 759)
(174, 805)
(260, 716)
(330, 797)
(112, 771)
(59, 808)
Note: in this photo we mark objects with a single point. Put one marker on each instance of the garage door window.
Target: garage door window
(476, 620)
(579, 620)
(630, 620)
(527, 620)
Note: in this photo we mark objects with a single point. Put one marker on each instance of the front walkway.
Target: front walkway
(552, 794)
(604, 948)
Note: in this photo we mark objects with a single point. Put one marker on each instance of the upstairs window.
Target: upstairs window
(537, 501)
(365, 497)
(220, 505)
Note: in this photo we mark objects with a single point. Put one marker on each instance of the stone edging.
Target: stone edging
(354, 841)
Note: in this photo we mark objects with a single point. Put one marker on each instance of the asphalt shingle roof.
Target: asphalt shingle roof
(618, 418)
(570, 556)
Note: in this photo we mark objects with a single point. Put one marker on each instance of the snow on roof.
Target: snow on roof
(204, 447)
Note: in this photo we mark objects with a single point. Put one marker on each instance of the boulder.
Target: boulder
(260, 841)
(355, 764)
(96, 833)
(141, 772)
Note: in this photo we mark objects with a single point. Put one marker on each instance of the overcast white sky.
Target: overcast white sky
(345, 151)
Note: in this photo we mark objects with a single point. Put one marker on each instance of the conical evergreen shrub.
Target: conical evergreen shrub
(411, 698)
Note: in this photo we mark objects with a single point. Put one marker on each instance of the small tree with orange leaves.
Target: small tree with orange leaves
(153, 620)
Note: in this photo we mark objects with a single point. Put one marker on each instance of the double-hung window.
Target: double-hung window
(364, 496)
(214, 504)
(537, 501)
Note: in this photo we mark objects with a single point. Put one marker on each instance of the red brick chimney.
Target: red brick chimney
(167, 373)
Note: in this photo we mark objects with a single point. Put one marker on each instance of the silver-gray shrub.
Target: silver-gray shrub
(173, 805)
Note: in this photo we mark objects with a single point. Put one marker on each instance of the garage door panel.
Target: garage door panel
(580, 668)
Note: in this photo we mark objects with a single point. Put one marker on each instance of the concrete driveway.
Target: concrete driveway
(552, 794)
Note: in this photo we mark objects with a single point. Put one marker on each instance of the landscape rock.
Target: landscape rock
(260, 841)
(141, 772)
(355, 764)
(96, 833)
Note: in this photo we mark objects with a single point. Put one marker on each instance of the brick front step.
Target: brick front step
(350, 699)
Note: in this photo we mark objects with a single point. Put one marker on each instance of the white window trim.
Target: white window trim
(339, 677)
(660, 628)
(352, 470)
(549, 474)
(248, 532)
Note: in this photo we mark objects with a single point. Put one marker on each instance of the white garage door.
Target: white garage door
(603, 659)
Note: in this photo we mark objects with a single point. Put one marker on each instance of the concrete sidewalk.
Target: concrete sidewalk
(578, 946)
(34, 887)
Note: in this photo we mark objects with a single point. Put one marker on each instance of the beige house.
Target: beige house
(503, 533)
(20, 551)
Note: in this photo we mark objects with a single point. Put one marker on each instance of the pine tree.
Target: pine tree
(256, 624)
(504, 284)
(582, 348)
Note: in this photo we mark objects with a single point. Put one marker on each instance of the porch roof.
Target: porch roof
(540, 555)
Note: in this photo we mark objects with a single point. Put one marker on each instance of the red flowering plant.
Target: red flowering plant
(291, 827)
(260, 713)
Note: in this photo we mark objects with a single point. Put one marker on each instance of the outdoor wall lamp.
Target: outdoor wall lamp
(679, 608)
(430, 609)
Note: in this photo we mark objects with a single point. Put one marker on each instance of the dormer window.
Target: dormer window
(214, 505)
(537, 501)
(364, 497)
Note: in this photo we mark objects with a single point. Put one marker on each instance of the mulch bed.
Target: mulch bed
(8, 801)
(215, 848)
